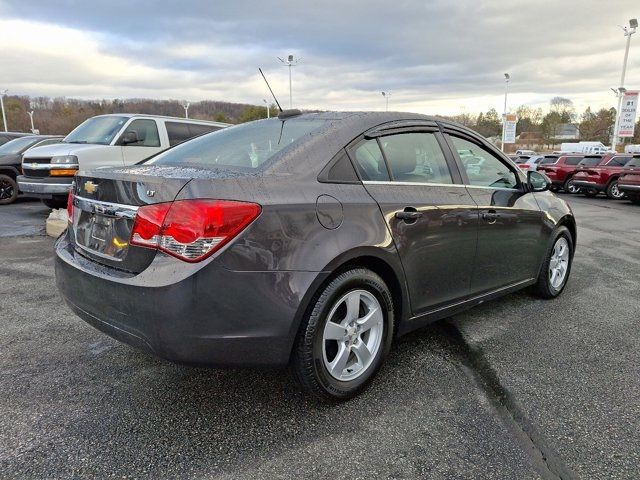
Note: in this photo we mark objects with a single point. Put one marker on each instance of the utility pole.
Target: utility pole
(185, 105)
(507, 77)
(33, 129)
(268, 109)
(290, 62)
(386, 96)
(4, 117)
(628, 31)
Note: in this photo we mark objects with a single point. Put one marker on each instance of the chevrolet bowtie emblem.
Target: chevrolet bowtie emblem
(90, 187)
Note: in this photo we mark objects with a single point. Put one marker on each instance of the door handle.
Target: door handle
(409, 214)
(490, 216)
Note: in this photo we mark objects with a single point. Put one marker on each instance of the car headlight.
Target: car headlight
(64, 160)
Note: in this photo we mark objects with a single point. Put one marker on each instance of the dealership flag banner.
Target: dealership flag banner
(628, 114)
(510, 121)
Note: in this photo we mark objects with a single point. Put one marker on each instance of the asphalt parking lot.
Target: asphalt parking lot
(516, 388)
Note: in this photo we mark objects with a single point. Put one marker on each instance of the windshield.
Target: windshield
(590, 161)
(248, 145)
(17, 145)
(98, 130)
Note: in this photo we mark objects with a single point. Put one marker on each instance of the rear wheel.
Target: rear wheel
(557, 265)
(613, 191)
(57, 201)
(344, 339)
(8, 190)
(570, 187)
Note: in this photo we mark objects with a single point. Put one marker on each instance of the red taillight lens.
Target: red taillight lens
(70, 207)
(191, 230)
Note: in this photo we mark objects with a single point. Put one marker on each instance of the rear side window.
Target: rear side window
(548, 160)
(590, 161)
(619, 161)
(572, 160)
(483, 168)
(196, 129)
(369, 161)
(416, 157)
(177, 132)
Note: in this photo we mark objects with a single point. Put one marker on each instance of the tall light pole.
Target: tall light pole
(268, 109)
(628, 31)
(33, 129)
(386, 96)
(290, 62)
(507, 77)
(4, 117)
(185, 105)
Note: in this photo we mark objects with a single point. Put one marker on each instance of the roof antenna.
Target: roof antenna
(272, 94)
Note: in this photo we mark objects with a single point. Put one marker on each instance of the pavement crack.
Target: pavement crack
(475, 366)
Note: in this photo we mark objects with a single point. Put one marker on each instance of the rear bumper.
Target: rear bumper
(205, 315)
(44, 187)
(589, 185)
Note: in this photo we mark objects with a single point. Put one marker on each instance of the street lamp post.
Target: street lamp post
(386, 96)
(4, 117)
(268, 109)
(185, 105)
(290, 62)
(33, 129)
(507, 77)
(628, 31)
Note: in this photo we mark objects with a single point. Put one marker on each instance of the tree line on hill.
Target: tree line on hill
(58, 116)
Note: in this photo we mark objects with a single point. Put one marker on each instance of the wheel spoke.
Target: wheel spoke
(371, 319)
(333, 331)
(336, 367)
(554, 274)
(353, 306)
(362, 352)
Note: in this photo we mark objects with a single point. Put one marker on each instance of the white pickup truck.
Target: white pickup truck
(102, 141)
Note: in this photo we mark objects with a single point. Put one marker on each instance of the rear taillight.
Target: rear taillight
(191, 230)
(70, 207)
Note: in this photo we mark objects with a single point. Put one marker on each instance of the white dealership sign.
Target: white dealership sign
(627, 120)
(510, 121)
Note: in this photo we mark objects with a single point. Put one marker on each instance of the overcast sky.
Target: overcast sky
(435, 56)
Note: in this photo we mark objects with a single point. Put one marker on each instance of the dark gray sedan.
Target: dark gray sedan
(311, 240)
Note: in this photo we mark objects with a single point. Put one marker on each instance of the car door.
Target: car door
(146, 144)
(510, 221)
(429, 212)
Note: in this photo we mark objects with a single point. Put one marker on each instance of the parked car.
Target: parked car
(529, 162)
(11, 160)
(587, 161)
(560, 168)
(604, 177)
(103, 141)
(308, 239)
(526, 152)
(8, 136)
(629, 180)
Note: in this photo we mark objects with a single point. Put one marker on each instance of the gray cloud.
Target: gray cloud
(426, 52)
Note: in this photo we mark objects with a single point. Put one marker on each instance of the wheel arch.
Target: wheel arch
(9, 170)
(570, 222)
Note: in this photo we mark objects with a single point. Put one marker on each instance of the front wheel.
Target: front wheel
(8, 190)
(57, 201)
(557, 265)
(570, 187)
(343, 340)
(613, 191)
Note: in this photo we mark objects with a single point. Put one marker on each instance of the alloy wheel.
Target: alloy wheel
(615, 191)
(559, 263)
(352, 335)
(6, 189)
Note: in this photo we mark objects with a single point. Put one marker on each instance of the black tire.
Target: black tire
(307, 361)
(613, 192)
(56, 202)
(569, 187)
(543, 287)
(8, 189)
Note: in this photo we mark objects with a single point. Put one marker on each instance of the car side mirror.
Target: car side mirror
(538, 182)
(130, 136)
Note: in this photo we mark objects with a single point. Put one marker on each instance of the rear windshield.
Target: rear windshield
(549, 159)
(247, 146)
(17, 145)
(590, 161)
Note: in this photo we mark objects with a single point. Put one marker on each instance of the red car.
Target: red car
(603, 177)
(629, 180)
(560, 168)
